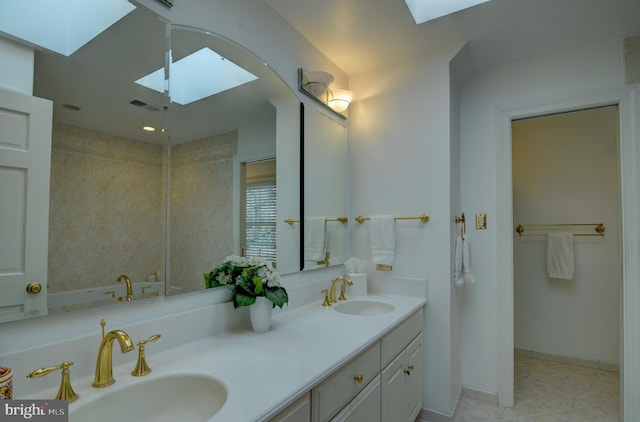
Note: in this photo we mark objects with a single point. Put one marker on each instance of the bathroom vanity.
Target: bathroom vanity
(315, 363)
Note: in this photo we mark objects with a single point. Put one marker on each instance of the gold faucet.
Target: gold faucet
(66, 391)
(128, 283)
(104, 363)
(334, 283)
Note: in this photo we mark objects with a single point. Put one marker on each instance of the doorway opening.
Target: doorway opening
(566, 184)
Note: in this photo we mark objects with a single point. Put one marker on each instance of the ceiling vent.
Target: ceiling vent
(144, 105)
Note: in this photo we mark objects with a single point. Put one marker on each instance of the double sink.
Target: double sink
(183, 396)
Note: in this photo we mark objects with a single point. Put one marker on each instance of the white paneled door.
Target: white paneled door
(25, 161)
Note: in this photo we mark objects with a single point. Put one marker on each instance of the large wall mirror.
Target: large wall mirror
(324, 203)
(161, 206)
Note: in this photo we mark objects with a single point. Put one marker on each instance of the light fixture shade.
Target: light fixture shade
(316, 82)
(339, 99)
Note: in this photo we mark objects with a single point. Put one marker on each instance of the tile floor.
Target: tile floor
(547, 391)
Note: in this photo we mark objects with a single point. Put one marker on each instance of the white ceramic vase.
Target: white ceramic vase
(260, 314)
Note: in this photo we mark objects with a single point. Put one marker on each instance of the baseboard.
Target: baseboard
(433, 416)
(480, 395)
(568, 359)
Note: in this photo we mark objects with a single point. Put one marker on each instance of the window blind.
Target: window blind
(261, 220)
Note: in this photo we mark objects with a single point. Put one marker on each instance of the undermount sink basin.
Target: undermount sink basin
(364, 307)
(184, 397)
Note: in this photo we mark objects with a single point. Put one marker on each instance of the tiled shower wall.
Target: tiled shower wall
(201, 208)
(106, 209)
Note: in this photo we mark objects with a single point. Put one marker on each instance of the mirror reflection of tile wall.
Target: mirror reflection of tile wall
(201, 208)
(106, 209)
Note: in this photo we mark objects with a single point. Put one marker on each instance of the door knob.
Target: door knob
(34, 288)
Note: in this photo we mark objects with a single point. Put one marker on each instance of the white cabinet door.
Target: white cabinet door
(393, 385)
(402, 384)
(299, 411)
(25, 161)
(415, 378)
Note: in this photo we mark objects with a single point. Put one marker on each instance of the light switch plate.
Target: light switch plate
(481, 221)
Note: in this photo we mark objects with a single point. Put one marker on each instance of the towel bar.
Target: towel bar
(599, 228)
(343, 220)
(424, 218)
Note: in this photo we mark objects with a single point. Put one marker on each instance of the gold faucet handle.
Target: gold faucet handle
(326, 297)
(66, 391)
(151, 339)
(342, 296)
(141, 366)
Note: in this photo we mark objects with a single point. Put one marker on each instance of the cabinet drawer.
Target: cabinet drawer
(365, 407)
(337, 390)
(394, 342)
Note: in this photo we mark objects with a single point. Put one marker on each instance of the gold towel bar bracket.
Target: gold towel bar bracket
(599, 228)
(423, 218)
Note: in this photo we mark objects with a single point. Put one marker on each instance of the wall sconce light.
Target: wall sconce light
(339, 99)
(316, 84)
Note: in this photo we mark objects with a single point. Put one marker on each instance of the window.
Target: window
(261, 220)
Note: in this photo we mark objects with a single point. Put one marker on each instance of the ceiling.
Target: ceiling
(364, 35)
(99, 79)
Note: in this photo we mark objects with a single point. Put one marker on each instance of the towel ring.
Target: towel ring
(461, 220)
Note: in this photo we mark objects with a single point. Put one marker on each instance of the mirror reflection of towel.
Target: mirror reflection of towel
(560, 255)
(315, 238)
(383, 239)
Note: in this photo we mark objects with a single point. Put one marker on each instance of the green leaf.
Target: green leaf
(243, 300)
(277, 295)
(257, 282)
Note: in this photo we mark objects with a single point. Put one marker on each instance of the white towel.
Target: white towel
(383, 239)
(457, 263)
(315, 238)
(560, 255)
(467, 272)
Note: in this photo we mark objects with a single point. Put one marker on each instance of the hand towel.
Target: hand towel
(315, 238)
(560, 255)
(467, 273)
(383, 239)
(457, 263)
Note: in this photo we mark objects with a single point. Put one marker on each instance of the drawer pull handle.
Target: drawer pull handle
(359, 378)
(409, 370)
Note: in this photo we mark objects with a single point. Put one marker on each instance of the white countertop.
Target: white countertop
(303, 346)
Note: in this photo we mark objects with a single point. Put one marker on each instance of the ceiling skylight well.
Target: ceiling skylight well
(198, 75)
(60, 26)
(426, 10)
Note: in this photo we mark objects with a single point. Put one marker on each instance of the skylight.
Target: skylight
(60, 26)
(198, 75)
(426, 10)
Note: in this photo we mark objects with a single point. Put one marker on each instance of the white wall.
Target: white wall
(17, 67)
(400, 164)
(565, 170)
(549, 79)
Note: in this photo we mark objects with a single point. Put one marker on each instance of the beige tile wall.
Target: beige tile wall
(201, 208)
(106, 209)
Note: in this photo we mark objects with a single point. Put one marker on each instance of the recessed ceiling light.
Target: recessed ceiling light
(61, 26)
(197, 76)
(148, 128)
(426, 10)
(71, 107)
